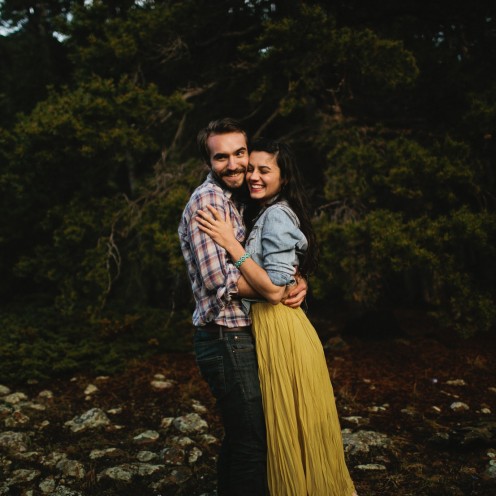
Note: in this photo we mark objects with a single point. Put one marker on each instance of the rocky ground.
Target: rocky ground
(417, 412)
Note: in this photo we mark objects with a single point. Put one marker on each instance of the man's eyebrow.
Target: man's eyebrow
(220, 155)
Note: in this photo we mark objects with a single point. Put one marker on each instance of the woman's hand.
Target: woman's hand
(220, 230)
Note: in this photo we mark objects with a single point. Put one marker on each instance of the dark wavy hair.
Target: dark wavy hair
(292, 191)
(219, 126)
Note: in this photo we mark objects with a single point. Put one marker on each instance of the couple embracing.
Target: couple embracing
(255, 347)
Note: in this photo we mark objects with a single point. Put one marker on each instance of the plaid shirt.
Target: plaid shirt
(212, 274)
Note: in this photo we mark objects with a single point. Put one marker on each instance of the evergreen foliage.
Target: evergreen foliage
(391, 109)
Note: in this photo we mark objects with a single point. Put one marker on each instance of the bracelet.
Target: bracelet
(239, 263)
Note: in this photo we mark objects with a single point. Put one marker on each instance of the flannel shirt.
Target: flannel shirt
(212, 274)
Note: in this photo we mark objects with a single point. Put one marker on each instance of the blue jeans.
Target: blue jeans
(228, 362)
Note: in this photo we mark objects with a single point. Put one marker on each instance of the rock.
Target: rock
(47, 486)
(146, 456)
(90, 389)
(361, 441)
(127, 471)
(115, 411)
(183, 441)
(91, 419)
(173, 455)
(71, 468)
(176, 477)
(16, 442)
(53, 459)
(45, 395)
(4, 390)
(459, 406)
(208, 439)
(190, 423)
(15, 398)
(22, 476)
(491, 470)
(166, 422)
(356, 420)
(198, 407)
(106, 453)
(194, 455)
(16, 419)
(146, 437)
(456, 382)
(370, 466)
(161, 385)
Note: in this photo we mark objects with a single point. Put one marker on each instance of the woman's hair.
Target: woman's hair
(292, 191)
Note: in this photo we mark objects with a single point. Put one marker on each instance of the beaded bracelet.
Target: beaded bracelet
(241, 260)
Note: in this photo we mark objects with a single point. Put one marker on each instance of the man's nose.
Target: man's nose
(231, 163)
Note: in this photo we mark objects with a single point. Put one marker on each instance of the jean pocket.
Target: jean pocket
(212, 370)
(243, 344)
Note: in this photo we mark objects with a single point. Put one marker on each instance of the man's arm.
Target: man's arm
(293, 297)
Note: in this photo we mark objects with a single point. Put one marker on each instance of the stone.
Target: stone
(361, 441)
(122, 473)
(127, 471)
(15, 398)
(22, 476)
(91, 419)
(53, 459)
(194, 455)
(146, 437)
(371, 466)
(190, 423)
(175, 477)
(71, 468)
(161, 385)
(45, 395)
(182, 441)
(198, 407)
(96, 454)
(173, 455)
(166, 422)
(17, 419)
(208, 439)
(456, 382)
(146, 456)
(90, 389)
(4, 390)
(16, 442)
(459, 406)
(47, 486)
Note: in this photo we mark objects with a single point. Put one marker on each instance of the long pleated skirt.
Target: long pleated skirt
(305, 447)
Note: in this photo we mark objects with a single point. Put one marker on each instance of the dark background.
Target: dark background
(390, 106)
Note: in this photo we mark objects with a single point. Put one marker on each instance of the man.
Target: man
(223, 342)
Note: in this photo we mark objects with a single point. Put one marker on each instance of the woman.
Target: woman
(305, 450)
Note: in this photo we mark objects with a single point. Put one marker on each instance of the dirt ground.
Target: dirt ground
(400, 386)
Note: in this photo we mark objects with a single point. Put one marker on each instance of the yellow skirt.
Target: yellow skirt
(305, 447)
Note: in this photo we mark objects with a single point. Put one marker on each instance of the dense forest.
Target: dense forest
(390, 106)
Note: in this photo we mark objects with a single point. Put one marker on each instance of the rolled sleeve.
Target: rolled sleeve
(280, 238)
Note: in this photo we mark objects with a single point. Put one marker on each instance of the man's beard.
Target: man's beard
(230, 173)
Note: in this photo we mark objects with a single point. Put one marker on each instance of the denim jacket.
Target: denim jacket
(275, 242)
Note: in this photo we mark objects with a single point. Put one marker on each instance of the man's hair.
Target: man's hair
(219, 126)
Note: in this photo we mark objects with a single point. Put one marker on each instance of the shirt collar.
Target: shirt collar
(213, 179)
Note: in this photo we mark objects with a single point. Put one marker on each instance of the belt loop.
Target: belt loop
(221, 332)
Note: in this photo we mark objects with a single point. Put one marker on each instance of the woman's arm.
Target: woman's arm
(221, 231)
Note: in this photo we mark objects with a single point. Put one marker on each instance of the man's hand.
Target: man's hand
(296, 294)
